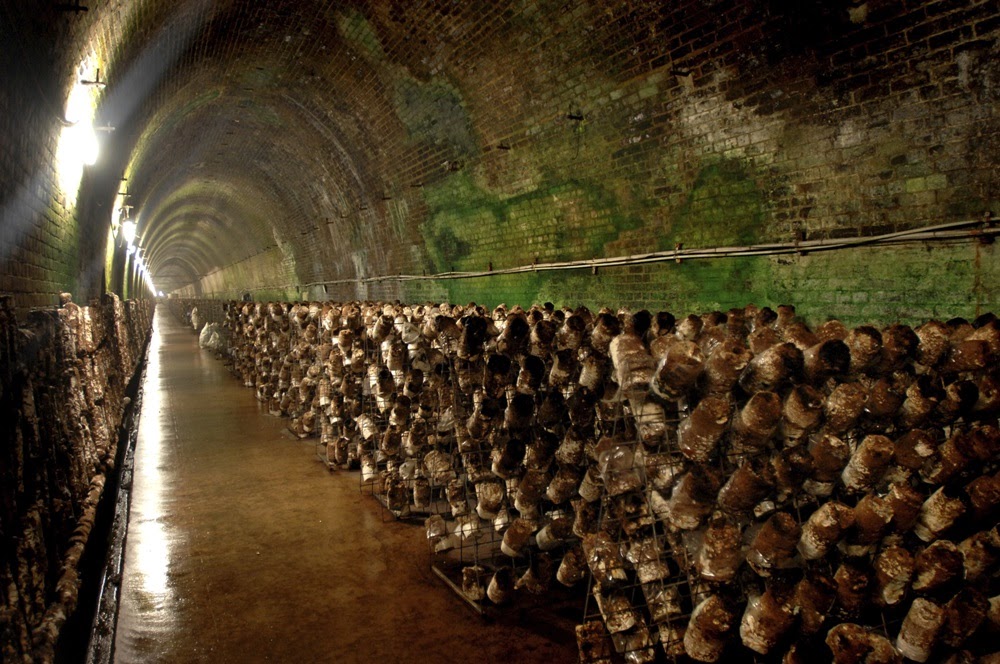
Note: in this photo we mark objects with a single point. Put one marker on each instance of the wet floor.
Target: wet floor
(242, 547)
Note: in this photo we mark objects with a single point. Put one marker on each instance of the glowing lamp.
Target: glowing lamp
(128, 231)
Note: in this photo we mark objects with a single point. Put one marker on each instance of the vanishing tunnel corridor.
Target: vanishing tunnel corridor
(242, 547)
(756, 182)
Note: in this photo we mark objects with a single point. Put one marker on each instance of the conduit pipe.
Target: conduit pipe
(958, 230)
(983, 229)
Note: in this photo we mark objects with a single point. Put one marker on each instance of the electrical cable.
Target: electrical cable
(983, 229)
(953, 231)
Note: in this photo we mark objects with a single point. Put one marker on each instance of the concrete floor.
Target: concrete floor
(242, 547)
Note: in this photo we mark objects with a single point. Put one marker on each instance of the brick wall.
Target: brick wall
(530, 132)
(759, 125)
(38, 236)
(277, 148)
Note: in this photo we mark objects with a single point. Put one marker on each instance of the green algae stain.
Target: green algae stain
(471, 229)
(468, 228)
(433, 112)
(356, 29)
(724, 207)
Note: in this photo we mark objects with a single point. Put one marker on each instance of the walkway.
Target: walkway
(242, 547)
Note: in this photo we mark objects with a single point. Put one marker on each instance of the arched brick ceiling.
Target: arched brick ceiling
(291, 137)
(273, 146)
(259, 128)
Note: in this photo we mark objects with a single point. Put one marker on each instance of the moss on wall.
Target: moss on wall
(857, 286)
(471, 229)
(464, 136)
(724, 207)
(356, 29)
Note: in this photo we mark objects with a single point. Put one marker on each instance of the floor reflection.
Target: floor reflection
(242, 548)
(152, 554)
(148, 598)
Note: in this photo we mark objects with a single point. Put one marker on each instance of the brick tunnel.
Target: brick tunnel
(767, 221)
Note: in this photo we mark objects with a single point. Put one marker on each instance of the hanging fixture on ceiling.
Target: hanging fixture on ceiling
(128, 231)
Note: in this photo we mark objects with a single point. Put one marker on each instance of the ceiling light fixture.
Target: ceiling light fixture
(128, 232)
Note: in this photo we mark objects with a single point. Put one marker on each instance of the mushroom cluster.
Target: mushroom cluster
(729, 482)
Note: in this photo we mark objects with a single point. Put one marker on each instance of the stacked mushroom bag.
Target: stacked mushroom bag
(839, 491)
(732, 483)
